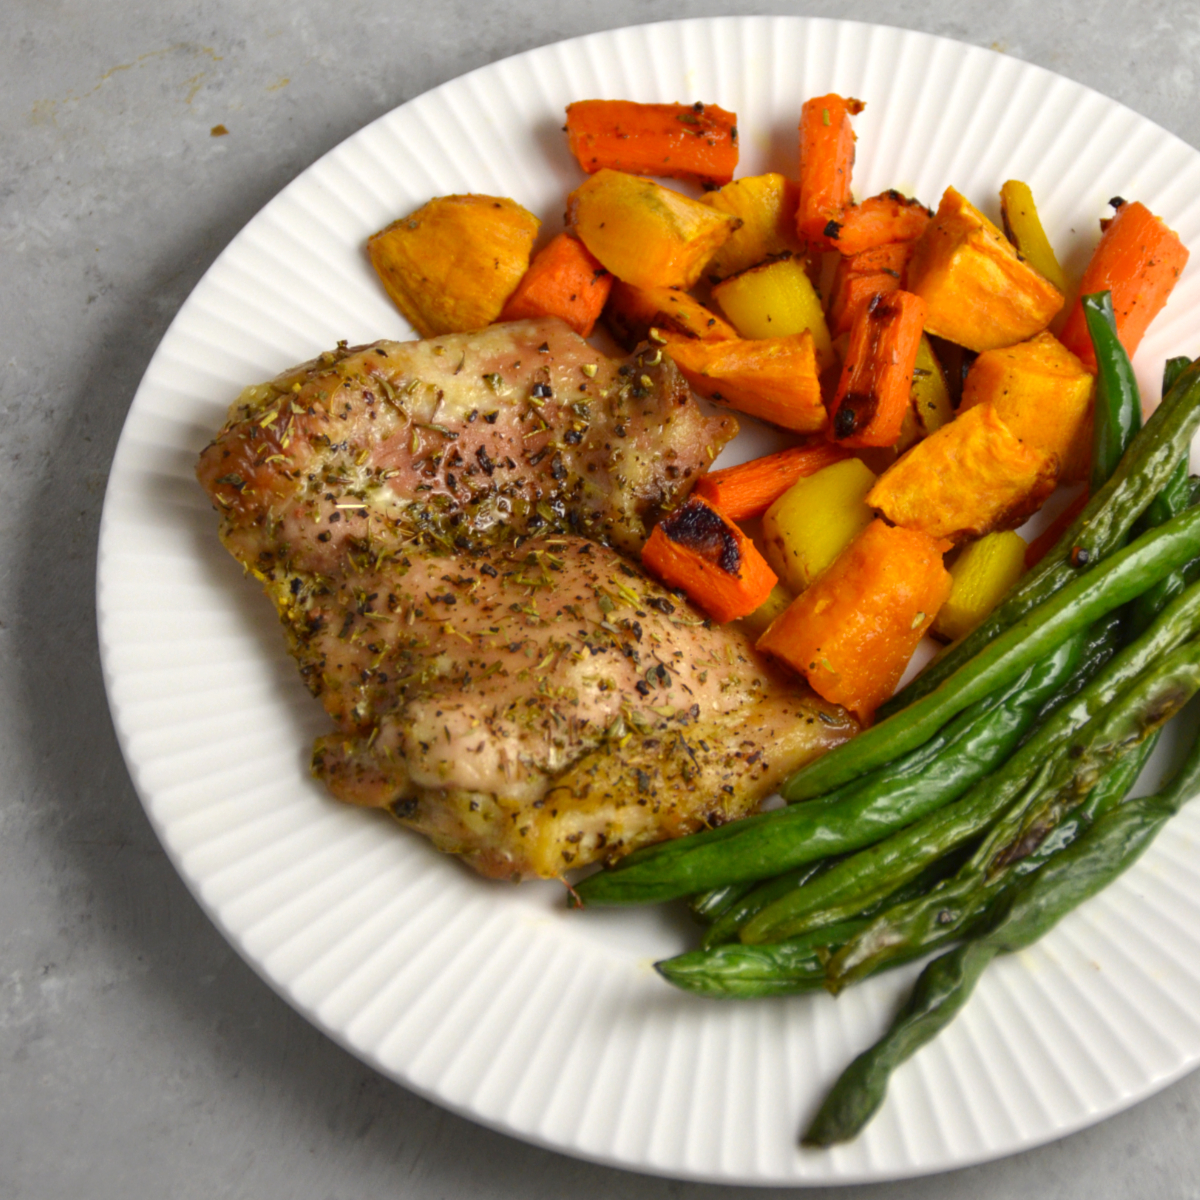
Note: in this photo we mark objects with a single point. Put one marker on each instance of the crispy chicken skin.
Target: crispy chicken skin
(459, 442)
(438, 525)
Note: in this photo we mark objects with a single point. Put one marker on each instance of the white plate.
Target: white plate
(495, 1001)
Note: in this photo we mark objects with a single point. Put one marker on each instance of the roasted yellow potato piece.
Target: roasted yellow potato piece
(1041, 391)
(930, 392)
(766, 205)
(776, 299)
(1024, 229)
(971, 477)
(450, 266)
(981, 574)
(978, 291)
(815, 520)
(644, 233)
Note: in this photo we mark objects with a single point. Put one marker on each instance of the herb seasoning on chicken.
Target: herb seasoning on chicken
(441, 526)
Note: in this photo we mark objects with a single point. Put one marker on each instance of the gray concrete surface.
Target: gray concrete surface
(138, 1055)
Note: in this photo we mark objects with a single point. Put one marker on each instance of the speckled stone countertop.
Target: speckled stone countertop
(139, 1056)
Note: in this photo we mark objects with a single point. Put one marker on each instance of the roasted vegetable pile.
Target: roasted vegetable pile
(992, 800)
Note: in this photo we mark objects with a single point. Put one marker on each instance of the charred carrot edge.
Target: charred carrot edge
(889, 217)
(853, 631)
(564, 280)
(1139, 260)
(1048, 538)
(826, 161)
(873, 392)
(711, 559)
(852, 293)
(890, 257)
(749, 489)
(680, 141)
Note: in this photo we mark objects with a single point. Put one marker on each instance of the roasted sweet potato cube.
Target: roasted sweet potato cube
(644, 233)
(450, 266)
(632, 312)
(852, 633)
(774, 379)
(967, 479)
(564, 280)
(978, 292)
(1040, 390)
(766, 205)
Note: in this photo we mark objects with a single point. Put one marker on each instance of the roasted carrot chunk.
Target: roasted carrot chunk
(678, 141)
(632, 312)
(1138, 260)
(826, 160)
(978, 292)
(697, 549)
(774, 379)
(853, 631)
(750, 488)
(564, 280)
(873, 393)
(972, 476)
(878, 221)
(861, 276)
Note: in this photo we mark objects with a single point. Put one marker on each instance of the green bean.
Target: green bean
(802, 964)
(1117, 412)
(711, 905)
(738, 971)
(725, 928)
(1172, 501)
(1018, 918)
(1109, 585)
(1111, 790)
(1179, 492)
(1175, 495)
(864, 812)
(1112, 743)
(862, 878)
(730, 924)
(1141, 474)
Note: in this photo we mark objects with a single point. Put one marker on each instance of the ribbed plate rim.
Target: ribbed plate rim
(109, 566)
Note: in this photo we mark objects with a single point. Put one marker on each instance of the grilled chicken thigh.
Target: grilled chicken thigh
(439, 524)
